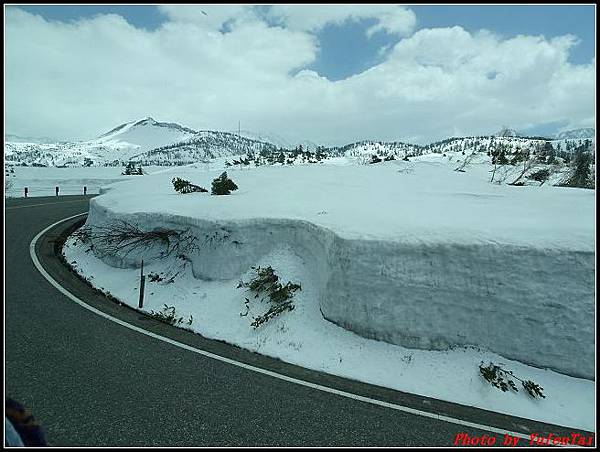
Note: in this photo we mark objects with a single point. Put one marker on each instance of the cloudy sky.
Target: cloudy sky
(331, 74)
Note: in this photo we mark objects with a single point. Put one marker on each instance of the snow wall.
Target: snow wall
(532, 305)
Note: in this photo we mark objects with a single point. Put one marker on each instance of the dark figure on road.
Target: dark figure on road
(20, 428)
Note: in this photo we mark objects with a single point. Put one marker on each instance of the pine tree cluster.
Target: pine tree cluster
(132, 170)
(222, 185)
(183, 186)
(282, 156)
(582, 171)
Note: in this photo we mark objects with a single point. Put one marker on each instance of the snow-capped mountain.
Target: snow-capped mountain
(206, 144)
(114, 147)
(145, 134)
(586, 133)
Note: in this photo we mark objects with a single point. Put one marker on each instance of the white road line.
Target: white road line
(249, 367)
(47, 204)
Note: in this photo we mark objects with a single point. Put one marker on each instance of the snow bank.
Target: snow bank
(427, 258)
(41, 181)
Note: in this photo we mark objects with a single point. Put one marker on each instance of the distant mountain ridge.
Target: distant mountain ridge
(150, 142)
(584, 133)
(13, 138)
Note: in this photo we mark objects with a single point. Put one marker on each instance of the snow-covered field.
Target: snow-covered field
(41, 181)
(413, 259)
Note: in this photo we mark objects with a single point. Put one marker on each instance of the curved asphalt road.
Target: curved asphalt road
(91, 382)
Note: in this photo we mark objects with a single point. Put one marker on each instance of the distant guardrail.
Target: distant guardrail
(26, 191)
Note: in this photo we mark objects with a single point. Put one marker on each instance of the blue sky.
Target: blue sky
(392, 52)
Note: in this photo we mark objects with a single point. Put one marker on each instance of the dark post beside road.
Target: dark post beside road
(142, 284)
(56, 191)
(26, 192)
(84, 190)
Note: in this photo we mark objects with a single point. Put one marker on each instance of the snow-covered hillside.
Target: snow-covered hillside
(379, 148)
(203, 145)
(112, 148)
(53, 154)
(586, 133)
(487, 144)
(509, 144)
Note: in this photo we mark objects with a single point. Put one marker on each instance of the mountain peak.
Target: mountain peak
(507, 132)
(146, 120)
(585, 133)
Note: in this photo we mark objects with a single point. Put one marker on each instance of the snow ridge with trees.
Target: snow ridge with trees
(149, 142)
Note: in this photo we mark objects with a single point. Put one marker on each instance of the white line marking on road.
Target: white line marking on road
(247, 366)
(48, 204)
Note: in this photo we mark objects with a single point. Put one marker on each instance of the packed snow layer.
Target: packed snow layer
(411, 253)
(305, 338)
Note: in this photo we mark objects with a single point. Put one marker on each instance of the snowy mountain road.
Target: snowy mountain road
(90, 381)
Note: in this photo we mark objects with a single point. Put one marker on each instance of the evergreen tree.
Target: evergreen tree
(582, 171)
(222, 185)
(131, 170)
(546, 152)
(183, 186)
(502, 160)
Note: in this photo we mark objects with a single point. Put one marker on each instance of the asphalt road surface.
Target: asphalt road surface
(92, 382)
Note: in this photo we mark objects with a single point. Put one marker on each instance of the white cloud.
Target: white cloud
(78, 80)
(390, 18)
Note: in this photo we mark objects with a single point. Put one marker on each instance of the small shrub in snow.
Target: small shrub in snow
(121, 237)
(131, 170)
(167, 315)
(280, 296)
(533, 389)
(540, 176)
(222, 185)
(154, 277)
(503, 379)
(375, 159)
(183, 186)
